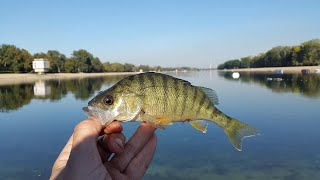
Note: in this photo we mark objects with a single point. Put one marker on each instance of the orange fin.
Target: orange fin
(151, 120)
(164, 121)
(199, 125)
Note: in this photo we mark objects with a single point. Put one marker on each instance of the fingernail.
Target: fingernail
(119, 142)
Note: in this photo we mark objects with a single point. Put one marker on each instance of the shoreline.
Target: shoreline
(6, 79)
(11, 78)
(296, 69)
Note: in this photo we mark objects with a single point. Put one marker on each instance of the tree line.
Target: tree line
(305, 54)
(14, 59)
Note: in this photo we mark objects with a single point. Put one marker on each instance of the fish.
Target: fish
(159, 100)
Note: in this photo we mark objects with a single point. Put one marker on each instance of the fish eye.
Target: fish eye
(108, 100)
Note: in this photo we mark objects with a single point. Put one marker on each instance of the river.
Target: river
(36, 119)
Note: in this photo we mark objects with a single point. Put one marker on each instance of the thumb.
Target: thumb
(84, 147)
(86, 132)
(84, 157)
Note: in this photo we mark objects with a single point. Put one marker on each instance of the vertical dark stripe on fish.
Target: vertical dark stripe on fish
(130, 78)
(135, 82)
(194, 95)
(176, 89)
(141, 81)
(165, 94)
(214, 113)
(185, 97)
(151, 79)
(208, 106)
(201, 103)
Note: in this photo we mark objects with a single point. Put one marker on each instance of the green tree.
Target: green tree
(57, 61)
(27, 58)
(129, 67)
(96, 65)
(70, 66)
(107, 67)
(14, 59)
(232, 64)
(311, 52)
(145, 68)
(117, 67)
(279, 56)
(259, 61)
(296, 56)
(245, 62)
(221, 66)
(84, 62)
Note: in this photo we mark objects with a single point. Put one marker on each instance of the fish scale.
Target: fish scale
(160, 99)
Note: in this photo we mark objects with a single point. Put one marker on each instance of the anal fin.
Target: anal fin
(199, 125)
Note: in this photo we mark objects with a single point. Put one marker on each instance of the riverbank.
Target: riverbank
(286, 70)
(30, 78)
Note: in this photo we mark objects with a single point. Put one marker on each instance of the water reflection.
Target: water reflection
(307, 85)
(41, 89)
(16, 96)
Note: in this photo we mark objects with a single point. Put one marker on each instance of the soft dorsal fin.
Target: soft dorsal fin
(211, 94)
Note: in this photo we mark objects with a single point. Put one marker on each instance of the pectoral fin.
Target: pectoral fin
(155, 122)
(199, 125)
(164, 121)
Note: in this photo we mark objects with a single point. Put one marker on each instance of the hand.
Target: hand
(84, 158)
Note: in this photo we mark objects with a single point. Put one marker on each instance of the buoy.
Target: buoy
(235, 75)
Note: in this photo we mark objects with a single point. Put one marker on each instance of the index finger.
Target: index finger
(133, 146)
(114, 127)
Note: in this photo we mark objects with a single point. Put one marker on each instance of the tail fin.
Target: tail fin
(237, 131)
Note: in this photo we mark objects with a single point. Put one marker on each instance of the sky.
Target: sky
(168, 33)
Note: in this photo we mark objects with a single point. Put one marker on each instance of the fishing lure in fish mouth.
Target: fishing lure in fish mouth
(159, 100)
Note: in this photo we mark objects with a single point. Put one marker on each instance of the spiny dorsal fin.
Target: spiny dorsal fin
(182, 80)
(211, 94)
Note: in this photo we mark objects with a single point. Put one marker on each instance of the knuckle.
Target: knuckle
(119, 136)
(130, 148)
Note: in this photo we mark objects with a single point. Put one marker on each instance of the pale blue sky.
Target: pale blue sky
(164, 32)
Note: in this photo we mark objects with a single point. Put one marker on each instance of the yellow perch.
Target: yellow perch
(160, 99)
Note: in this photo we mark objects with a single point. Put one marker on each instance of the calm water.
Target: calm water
(37, 119)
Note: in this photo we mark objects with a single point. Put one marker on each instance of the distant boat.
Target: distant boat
(235, 75)
(305, 71)
(317, 71)
(274, 79)
(278, 71)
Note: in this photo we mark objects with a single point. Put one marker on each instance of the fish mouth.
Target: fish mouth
(86, 109)
(104, 116)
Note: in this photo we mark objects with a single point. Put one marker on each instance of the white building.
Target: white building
(41, 65)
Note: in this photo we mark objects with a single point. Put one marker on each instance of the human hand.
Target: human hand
(84, 158)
